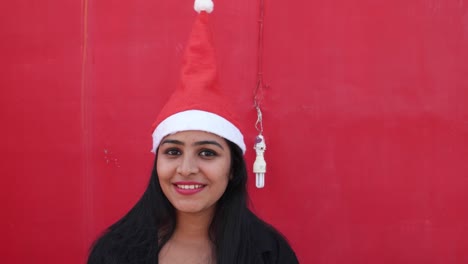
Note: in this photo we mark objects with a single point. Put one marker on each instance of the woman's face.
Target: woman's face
(193, 169)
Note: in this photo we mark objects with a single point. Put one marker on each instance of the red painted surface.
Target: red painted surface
(366, 121)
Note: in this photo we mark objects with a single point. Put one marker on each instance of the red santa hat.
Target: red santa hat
(198, 102)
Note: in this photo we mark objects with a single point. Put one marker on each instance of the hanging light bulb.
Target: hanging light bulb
(259, 167)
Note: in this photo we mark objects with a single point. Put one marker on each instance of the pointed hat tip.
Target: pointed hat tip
(203, 5)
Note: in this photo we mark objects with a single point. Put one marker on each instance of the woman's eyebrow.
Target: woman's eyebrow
(172, 141)
(208, 142)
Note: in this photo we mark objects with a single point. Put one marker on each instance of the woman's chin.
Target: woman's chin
(193, 209)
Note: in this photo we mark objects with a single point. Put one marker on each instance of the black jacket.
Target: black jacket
(272, 247)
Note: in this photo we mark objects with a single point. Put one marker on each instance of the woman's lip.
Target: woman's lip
(188, 188)
(188, 183)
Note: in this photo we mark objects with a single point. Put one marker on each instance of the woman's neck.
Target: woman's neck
(192, 227)
(190, 241)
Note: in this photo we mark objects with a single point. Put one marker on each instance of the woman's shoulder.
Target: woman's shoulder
(270, 243)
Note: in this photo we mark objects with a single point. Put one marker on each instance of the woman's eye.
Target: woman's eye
(172, 152)
(208, 153)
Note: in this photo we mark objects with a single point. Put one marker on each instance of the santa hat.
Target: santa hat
(198, 103)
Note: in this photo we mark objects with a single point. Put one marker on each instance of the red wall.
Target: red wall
(365, 116)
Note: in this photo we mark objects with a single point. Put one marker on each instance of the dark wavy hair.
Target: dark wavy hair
(142, 232)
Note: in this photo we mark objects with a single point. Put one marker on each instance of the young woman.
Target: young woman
(195, 209)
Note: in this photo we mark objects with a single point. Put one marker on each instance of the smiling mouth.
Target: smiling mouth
(189, 186)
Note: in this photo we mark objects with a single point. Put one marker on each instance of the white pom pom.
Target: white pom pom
(203, 5)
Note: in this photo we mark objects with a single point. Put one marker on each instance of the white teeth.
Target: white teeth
(190, 187)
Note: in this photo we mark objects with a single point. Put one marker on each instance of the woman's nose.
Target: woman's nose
(187, 166)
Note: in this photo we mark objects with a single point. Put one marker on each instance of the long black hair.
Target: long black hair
(142, 232)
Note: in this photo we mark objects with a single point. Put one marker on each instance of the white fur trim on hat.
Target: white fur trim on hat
(198, 120)
(203, 5)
